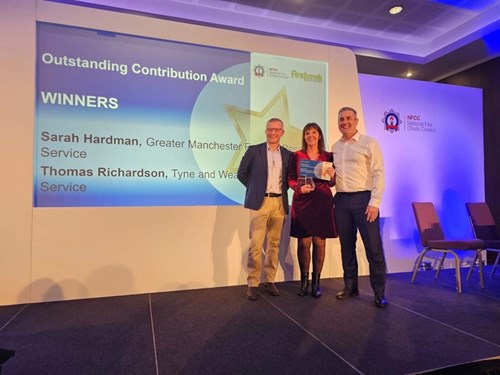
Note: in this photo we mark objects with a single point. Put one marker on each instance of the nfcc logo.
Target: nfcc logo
(391, 121)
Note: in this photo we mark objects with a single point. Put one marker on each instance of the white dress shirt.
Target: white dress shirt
(274, 165)
(359, 166)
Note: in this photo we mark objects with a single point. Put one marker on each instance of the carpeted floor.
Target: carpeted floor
(427, 326)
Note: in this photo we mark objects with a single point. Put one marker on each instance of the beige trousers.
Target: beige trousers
(268, 220)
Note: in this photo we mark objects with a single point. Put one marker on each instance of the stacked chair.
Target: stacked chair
(433, 239)
(485, 229)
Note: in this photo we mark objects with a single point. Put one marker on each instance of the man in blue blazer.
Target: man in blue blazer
(264, 170)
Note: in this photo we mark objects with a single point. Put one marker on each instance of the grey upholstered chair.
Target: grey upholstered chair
(433, 239)
(485, 228)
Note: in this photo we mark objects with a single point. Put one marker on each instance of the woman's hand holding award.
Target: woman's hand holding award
(306, 184)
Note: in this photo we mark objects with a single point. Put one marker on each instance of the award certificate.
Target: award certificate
(314, 168)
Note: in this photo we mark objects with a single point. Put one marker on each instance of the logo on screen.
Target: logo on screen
(391, 121)
(259, 71)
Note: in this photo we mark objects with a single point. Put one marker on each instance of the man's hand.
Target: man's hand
(371, 213)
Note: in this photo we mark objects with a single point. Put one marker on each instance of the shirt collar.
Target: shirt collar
(355, 137)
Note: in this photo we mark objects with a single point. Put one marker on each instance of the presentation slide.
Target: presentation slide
(131, 121)
(431, 136)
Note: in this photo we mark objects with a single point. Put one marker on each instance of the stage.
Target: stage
(427, 326)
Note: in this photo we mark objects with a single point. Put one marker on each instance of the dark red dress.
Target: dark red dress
(312, 213)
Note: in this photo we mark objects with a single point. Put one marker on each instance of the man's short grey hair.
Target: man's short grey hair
(349, 109)
(275, 119)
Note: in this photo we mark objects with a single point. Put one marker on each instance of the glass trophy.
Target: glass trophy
(310, 181)
(306, 181)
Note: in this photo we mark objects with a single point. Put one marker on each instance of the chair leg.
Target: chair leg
(417, 264)
(495, 265)
(441, 261)
(457, 270)
(472, 266)
(481, 278)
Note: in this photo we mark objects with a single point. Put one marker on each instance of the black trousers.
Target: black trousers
(350, 217)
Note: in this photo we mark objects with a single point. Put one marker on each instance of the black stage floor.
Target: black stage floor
(218, 331)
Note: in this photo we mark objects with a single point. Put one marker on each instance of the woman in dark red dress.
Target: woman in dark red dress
(312, 208)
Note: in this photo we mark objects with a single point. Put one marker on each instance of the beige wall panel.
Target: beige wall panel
(17, 63)
(98, 252)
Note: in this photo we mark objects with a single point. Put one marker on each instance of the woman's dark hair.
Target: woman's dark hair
(321, 141)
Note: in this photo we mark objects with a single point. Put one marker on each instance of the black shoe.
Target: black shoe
(304, 284)
(346, 294)
(253, 293)
(271, 289)
(381, 302)
(316, 287)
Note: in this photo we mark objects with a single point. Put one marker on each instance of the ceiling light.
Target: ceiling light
(409, 74)
(395, 9)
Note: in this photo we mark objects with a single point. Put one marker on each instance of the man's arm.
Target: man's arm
(245, 166)
(376, 173)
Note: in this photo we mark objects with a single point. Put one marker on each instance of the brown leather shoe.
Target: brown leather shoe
(346, 294)
(253, 293)
(271, 289)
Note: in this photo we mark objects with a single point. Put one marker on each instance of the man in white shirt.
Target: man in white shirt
(359, 168)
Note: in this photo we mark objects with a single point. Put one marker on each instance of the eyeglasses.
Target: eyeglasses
(273, 130)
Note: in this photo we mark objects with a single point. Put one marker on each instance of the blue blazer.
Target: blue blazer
(252, 173)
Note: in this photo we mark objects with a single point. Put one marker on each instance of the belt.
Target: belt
(272, 195)
(354, 192)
